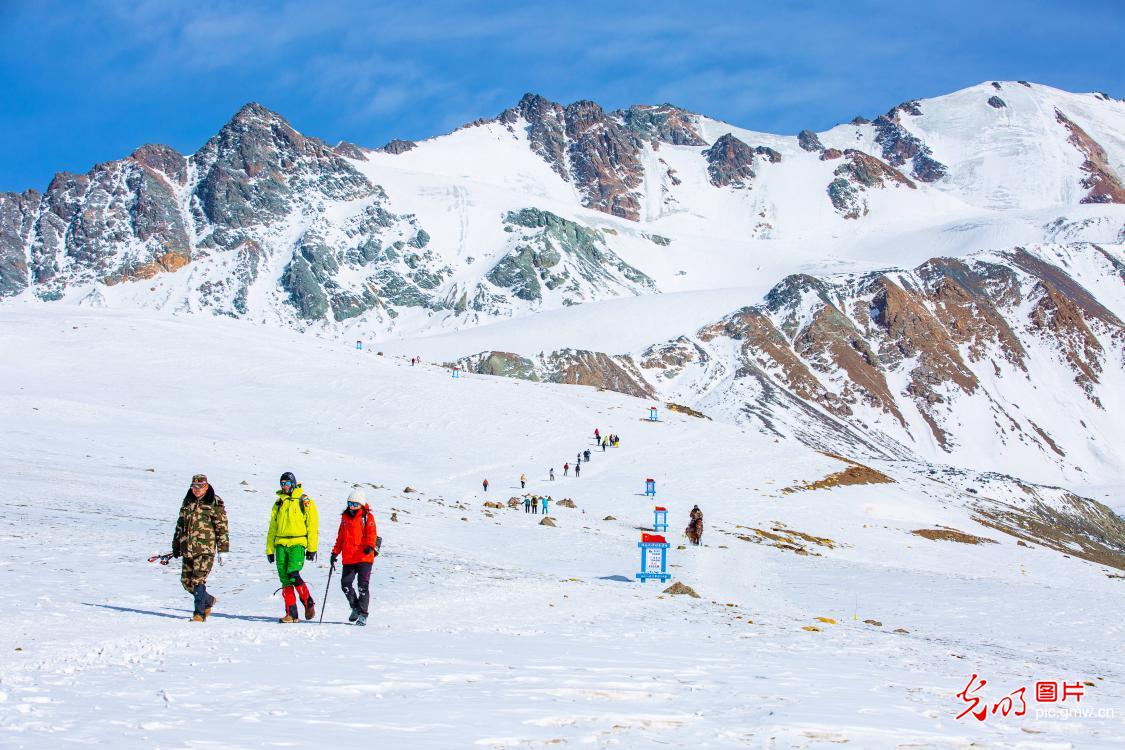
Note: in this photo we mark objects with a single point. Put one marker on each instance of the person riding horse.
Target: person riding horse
(694, 530)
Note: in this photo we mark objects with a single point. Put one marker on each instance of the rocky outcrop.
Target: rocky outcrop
(1100, 180)
(730, 162)
(599, 152)
(996, 102)
(570, 366)
(900, 146)
(662, 124)
(17, 220)
(549, 255)
(584, 145)
(809, 141)
(859, 172)
(350, 150)
(605, 160)
(122, 220)
(257, 165)
(398, 146)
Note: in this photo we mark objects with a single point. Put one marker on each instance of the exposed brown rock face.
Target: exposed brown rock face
(859, 172)
(730, 162)
(120, 218)
(963, 301)
(163, 159)
(865, 169)
(600, 152)
(1101, 180)
(350, 150)
(605, 160)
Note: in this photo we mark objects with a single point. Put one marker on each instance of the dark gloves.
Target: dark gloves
(334, 558)
(310, 556)
(368, 550)
(270, 557)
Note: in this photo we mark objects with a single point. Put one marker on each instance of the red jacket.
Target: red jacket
(356, 532)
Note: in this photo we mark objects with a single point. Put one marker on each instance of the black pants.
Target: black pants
(347, 575)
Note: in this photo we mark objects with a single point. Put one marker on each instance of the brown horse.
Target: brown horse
(694, 530)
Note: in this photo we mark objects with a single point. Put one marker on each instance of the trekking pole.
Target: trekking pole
(324, 604)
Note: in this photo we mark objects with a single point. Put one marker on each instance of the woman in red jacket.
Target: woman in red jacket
(356, 541)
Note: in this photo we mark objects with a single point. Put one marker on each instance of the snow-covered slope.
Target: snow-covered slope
(488, 629)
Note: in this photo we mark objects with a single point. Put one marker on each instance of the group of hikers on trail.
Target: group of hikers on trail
(531, 503)
(583, 456)
(292, 539)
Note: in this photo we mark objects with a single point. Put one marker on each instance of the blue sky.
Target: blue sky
(82, 82)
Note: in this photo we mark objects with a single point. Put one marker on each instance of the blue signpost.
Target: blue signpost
(652, 414)
(650, 488)
(654, 558)
(359, 344)
(456, 372)
(659, 518)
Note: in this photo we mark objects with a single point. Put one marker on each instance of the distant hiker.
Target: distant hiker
(412, 361)
(579, 459)
(586, 455)
(535, 504)
(201, 530)
(523, 481)
(694, 530)
(485, 485)
(597, 435)
(526, 504)
(552, 473)
(355, 540)
(577, 470)
(292, 539)
(566, 468)
(605, 442)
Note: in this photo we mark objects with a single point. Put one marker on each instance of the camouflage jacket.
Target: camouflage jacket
(202, 526)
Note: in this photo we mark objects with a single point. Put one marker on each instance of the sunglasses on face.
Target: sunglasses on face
(353, 504)
(198, 485)
(286, 484)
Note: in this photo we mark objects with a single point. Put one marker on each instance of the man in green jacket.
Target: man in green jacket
(201, 530)
(292, 539)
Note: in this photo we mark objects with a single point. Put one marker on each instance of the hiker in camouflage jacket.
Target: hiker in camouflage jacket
(201, 531)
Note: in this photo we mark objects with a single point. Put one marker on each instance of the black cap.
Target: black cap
(288, 477)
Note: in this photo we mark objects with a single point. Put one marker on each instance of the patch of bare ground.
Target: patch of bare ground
(680, 408)
(951, 535)
(1089, 530)
(790, 540)
(856, 473)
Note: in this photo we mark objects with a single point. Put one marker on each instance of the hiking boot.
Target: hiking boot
(207, 612)
(354, 615)
(310, 609)
(361, 620)
(198, 617)
(290, 614)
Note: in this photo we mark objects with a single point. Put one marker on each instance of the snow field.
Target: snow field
(486, 630)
